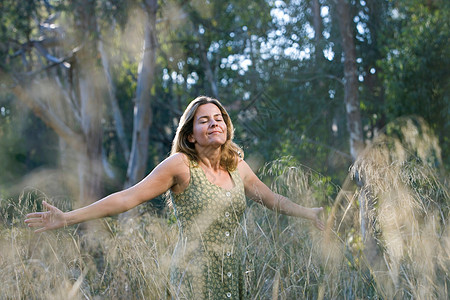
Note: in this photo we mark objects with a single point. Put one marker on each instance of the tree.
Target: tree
(80, 85)
(351, 100)
(416, 65)
(73, 115)
(137, 165)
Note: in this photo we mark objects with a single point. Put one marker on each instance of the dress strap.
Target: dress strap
(193, 164)
(236, 177)
(195, 172)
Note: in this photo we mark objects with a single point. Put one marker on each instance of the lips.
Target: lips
(212, 132)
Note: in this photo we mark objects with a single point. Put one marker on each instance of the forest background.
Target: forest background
(343, 103)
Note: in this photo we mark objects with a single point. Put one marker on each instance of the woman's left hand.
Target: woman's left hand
(53, 218)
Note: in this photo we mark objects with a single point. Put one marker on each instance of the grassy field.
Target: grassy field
(404, 253)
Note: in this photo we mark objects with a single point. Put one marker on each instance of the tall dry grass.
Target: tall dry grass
(286, 258)
(408, 197)
(107, 261)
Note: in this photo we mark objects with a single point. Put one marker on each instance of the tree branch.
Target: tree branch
(53, 121)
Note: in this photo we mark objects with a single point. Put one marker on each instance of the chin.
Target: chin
(218, 143)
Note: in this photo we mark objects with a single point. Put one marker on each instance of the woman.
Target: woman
(208, 181)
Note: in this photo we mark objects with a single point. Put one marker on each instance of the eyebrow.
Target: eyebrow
(201, 117)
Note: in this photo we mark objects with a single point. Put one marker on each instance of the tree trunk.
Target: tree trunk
(137, 164)
(89, 81)
(317, 24)
(90, 157)
(319, 60)
(116, 113)
(354, 124)
(207, 67)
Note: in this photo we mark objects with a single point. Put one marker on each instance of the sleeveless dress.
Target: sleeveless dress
(208, 259)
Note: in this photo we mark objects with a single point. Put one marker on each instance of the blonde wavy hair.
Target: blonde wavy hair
(231, 153)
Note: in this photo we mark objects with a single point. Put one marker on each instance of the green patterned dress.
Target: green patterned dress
(208, 260)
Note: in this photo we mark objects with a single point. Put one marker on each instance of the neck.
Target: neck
(210, 158)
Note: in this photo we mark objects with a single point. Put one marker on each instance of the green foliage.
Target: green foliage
(285, 97)
(26, 143)
(417, 63)
(283, 102)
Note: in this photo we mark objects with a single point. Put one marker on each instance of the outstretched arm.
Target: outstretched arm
(163, 177)
(256, 190)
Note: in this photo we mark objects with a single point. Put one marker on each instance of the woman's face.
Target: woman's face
(209, 128)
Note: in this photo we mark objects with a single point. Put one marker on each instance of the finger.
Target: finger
(319, 224)
(40, 230)
(35, 224)
(33, 220)
(48, 206)
(322, 226)
(34, 215)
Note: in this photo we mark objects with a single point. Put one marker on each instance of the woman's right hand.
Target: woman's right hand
(53, 218)
(317, 220)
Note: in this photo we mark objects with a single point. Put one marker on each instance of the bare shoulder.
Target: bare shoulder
(178, 158)
(244, 170)
(166, 175)
(178, 164)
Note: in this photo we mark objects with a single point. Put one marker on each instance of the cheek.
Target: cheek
(225, 128)
(198, 129)
(201, 128)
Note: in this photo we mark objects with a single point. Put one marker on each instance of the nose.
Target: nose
(214, 123)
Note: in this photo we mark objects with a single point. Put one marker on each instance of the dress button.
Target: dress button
(227, 214)
(227, 233)
(229, 274)
(229, 295)
(228, 194)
